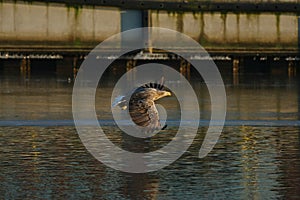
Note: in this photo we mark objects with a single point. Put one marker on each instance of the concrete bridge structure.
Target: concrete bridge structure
(263, 26)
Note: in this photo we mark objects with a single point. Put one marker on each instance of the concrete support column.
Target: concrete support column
(75, 68)
(25, 67)
(130, 64)
(235, 71)
(131, 19)
(235, 65)
(298, 34)
(185, 68)
(291, 69)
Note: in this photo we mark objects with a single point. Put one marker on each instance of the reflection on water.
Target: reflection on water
(271, 95)
(248, 162)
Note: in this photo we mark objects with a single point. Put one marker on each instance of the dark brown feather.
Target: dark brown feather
(141, 104)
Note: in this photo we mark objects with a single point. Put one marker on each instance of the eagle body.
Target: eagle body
(141, 104)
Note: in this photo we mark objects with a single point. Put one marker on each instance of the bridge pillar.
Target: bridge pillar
(25, 67)
(130, 64)
(299, 34)
(131, 19)
(235, 65)
(185, 68)
(291, 69)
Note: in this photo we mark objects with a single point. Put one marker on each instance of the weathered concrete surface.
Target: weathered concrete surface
(233, 30)
(47, 25)
(241, 6)
(56, 23)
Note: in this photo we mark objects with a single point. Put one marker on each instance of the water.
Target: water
(257, 156)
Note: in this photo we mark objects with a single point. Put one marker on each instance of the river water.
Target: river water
(256, 157)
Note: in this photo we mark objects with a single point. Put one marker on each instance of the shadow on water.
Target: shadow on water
(248, 162)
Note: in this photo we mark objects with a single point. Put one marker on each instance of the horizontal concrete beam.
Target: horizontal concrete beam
(192, 5)
(53, 27)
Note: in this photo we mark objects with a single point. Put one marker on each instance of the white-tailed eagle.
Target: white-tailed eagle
(141, 104)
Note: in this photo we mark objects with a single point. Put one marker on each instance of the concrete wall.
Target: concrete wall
(41, 23)
(232, 29)
(53, 22)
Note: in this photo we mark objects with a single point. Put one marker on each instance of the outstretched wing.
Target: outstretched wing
(142, 108)
(144, 113)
